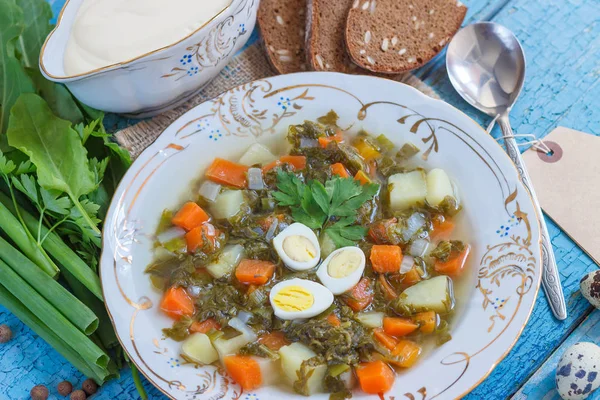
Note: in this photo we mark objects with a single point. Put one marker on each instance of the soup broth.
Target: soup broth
(337, 260)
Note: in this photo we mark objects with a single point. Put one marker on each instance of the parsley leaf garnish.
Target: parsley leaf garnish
(332, 207)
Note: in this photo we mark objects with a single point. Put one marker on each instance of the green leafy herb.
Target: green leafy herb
(221, 301)
(291, 189)
(442, 333)
(58, 97)
(307, 368)
(55, 190)
(385, 143)
(334, 384)
(57, 152)
(260, 350)
(407, 151)
(344, 344)
(449, 206)
(447, 249)
(344, 233)
(165, 221)
(331, 118)
(180, 329)
(13, 79)
(36, 18)
(332, 207)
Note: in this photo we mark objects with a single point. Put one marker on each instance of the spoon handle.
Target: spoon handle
(550, 276)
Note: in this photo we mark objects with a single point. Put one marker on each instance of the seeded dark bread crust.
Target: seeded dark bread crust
(325, 46)
(394, 36)
(282, 24)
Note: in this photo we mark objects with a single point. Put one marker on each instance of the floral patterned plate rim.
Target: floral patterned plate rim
(505, 235)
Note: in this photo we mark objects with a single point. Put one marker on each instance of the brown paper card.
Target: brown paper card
(567, 184)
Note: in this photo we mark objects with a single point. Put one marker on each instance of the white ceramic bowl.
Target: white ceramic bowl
(161, 79)
(505, 237)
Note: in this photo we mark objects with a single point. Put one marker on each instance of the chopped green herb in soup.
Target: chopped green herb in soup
(330, 265)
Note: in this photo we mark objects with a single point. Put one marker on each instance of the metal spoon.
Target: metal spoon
(486, 65)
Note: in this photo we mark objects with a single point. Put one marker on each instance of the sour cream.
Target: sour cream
(107, 32)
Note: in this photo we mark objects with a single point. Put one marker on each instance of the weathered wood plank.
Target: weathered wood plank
(27, 361)
(541, 385)
(561, 41)
(543, 333)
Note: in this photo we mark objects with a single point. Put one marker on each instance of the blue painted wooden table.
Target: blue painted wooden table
(561, 39)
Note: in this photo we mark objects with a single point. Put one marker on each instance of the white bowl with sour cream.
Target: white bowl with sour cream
(156, 60)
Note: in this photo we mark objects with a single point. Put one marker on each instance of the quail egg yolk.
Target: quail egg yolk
(343, 264)
(293, 298)
(299, 248)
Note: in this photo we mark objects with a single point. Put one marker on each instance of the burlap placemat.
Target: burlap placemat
(247, 66)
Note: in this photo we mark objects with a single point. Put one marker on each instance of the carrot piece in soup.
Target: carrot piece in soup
(325, 140)
(205, 326)
(176, 303)
(372, 167)
(189, 216)
(227, 173)
(366, 149)
(360, 296)
(455, 265)
(388, 290)
(270, 166)
(274, 340)
(244, 370)
(362, 177)
(407, 353)
(375, 377)
(379, 231)
(298, 162)
(442, 229)
(340, 170)
(398, 326)
(333, 320)
(255, 272)
(386, 340)
(195, 238)
(427, 321)
(265, 223)
(386, 258)
(411, 277)
(251, 288)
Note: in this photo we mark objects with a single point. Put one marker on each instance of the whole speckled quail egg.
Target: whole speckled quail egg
(578, 371)
(590, 288)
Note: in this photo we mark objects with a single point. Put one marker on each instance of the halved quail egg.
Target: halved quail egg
(298, 247)
(299, 299)
(342, 269)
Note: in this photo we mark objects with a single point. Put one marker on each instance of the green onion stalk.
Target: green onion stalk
(91, 370)
(53, 292)
(13, 228)
(54, 245)
(51, 317)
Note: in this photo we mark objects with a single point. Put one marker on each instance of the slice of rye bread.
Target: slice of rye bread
(393, 36)
(325, 46)
(282, 24)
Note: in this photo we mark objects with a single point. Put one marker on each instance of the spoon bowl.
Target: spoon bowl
(486, 65)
